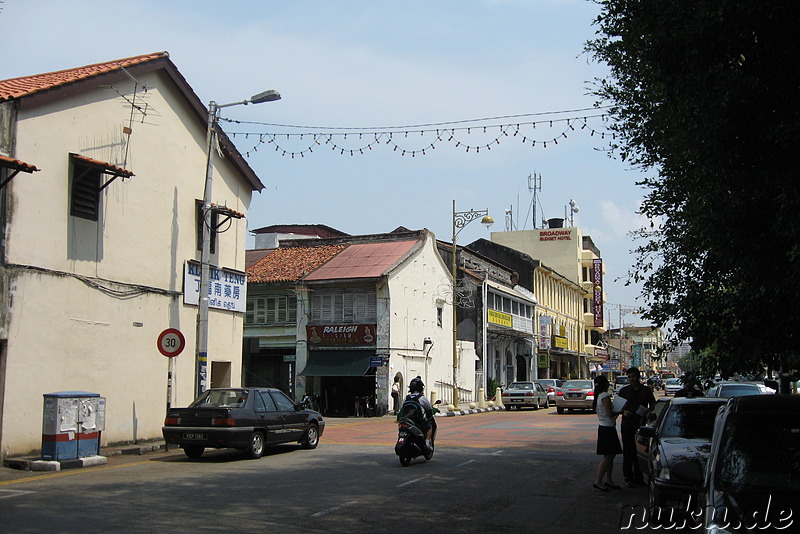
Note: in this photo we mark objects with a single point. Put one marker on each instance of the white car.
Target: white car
(671, 385)
(527, 394)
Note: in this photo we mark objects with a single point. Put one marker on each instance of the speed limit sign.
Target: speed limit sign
(171, 342)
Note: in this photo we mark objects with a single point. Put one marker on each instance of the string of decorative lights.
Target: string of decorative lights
(396, 136)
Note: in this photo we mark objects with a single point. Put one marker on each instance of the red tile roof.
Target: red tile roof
(290, 264)
(11, 163)
(365, 260)
(113, 169)
(28, 85)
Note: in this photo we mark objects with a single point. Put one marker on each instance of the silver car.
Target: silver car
(575, 395)
(524, 394)
(551, 386)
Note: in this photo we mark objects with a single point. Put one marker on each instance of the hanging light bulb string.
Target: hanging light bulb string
(402, 139)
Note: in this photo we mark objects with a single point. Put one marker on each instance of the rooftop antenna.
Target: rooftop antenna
(509, 219)
(534, 186)
(573, 209)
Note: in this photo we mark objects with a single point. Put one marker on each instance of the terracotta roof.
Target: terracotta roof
(17, 165)
(365, 260)
(291, 263)
(113, 169)
(28, 85)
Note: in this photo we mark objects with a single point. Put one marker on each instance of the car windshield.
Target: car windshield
(673, 382)
(760, 452)
(221, 398)
(577, 384)
(738, 390)
(520, 385)
(621, 380)
(690, 421)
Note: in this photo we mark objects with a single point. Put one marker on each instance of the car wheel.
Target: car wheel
(405, 461)
(256, 447)
(194, 451)
(536, 406)
(560, 410)
(508, 408)
(311, 437)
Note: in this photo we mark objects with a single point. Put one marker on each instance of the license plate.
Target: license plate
(516, 400)
(194, 436)
(572, 395)
(401, 440)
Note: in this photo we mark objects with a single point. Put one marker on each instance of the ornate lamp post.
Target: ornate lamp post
(460, 220)
(202, 309)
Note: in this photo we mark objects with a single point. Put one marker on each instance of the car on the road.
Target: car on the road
(751, 473)
(672, 385)
(644, 443)
(575, 395)
(551, 386)
(247, 419)
(524, 395)
(738, 389)
(620, 382)
(684, 432)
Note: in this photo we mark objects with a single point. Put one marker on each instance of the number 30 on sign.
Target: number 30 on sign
(171, 342)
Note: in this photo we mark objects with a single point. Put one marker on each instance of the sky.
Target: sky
(371, 68)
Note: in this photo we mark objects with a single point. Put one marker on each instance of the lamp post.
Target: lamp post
(626, 310)
(460, 220)
(201, 360)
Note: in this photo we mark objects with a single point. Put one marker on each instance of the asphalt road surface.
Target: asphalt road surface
(528, 471)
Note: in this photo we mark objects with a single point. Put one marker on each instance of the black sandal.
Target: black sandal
(595, 486)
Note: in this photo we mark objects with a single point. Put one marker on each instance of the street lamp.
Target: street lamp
(626, 310)
(460, 220)
(202, 309)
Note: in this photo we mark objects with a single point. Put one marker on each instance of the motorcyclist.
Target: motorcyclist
(416, 390)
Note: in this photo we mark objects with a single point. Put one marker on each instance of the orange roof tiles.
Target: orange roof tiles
(365, 260)
(291, 263)
(28, 85)
(16, 164)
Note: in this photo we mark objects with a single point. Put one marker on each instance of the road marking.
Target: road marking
(334, 509)
(411, 481)
(5, 494)
(497, 452)
(465, 463)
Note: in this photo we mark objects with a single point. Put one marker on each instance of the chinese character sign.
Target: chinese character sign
(227, 288)
(597, 295)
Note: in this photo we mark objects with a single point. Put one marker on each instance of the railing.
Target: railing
(444, 392)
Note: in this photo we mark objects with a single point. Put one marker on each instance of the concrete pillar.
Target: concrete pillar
(498, 398)
(481, 399)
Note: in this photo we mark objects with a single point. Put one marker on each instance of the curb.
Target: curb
(468, 411)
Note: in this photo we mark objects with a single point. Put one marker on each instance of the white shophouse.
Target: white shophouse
(100, 246)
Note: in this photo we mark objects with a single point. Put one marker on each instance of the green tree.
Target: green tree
(703, 96)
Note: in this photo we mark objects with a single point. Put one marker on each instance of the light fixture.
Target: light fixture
(427, 345)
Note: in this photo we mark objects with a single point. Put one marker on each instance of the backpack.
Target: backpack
(412, 409)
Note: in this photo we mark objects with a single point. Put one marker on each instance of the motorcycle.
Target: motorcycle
(411, 440)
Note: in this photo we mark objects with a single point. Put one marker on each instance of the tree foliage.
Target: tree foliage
(703, 95)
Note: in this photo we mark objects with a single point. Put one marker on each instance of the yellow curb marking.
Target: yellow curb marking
(71, 472)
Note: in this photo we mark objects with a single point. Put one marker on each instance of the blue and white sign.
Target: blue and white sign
(227, 288)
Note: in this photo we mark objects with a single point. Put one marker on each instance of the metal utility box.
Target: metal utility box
(71, 424)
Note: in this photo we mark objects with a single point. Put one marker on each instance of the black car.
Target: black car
(644, 440)
(684, 433)
(247, 419)
(750, 482)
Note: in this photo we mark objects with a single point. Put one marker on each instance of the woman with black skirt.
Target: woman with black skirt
(607, 439)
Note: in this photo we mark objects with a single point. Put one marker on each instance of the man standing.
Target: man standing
(639, 399)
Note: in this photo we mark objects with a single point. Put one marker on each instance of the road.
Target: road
(528, 471)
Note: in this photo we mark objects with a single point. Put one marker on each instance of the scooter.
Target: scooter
(411, 440)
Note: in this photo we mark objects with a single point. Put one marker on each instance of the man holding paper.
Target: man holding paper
(638, 399)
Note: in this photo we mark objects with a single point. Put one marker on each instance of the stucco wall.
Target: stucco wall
(415, 290)
(72, 313)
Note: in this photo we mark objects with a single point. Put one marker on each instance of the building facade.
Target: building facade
(369, 310)
(100, 248)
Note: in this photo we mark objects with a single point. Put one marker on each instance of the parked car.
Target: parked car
(247, 419)
(524, 394)
(575, 395)
(750, 478)
(665, 376)
(644, 441)
(671, 385)
(551, 386)
(684, 432)
(620, 382)
(738, 389)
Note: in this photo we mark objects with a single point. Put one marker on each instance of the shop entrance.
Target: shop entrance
(348, 396)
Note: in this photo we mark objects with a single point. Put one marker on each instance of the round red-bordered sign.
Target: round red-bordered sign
(171, 342)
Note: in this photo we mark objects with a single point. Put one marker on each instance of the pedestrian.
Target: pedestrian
(607, 439)
(396, 395)
(639, 398)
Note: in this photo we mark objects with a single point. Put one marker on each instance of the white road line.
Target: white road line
(411, 482)
(5, 494)
(497, 452)
(335, 508)
(465, 463)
